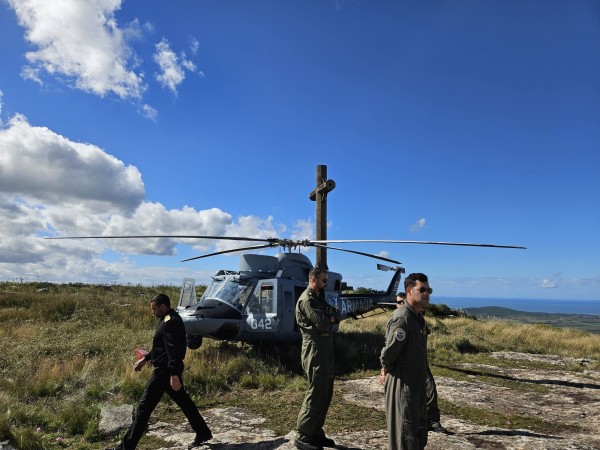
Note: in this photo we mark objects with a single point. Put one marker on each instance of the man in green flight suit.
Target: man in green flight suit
(433, 410)
(315, 319)
(404, 362)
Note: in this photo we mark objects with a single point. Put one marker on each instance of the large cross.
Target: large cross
(324, 186)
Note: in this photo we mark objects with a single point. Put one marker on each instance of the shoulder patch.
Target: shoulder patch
(400, 335)
(167, 318)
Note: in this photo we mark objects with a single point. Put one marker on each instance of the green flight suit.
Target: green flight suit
(313, 317)
(405, 359)
(433, 410)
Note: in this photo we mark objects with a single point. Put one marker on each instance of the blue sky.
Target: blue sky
(464, 121)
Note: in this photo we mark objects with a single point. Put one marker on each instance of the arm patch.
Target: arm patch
(400, 335)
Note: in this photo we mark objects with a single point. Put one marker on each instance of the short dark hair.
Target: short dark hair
(411, 280)
(402, 295)
(315, 272)
(161, 299)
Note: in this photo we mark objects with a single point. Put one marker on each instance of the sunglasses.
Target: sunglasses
(424, 289)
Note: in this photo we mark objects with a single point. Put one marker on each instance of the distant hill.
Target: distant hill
(584, 322)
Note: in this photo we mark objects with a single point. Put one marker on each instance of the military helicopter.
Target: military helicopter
(256, 303)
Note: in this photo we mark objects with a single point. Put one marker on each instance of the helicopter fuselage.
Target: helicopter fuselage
(257, 303)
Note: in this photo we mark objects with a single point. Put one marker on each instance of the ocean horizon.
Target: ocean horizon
(591, 307)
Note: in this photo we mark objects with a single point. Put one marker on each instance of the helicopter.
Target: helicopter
(256, 303)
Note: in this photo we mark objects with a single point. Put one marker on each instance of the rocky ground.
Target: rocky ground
(573, 399)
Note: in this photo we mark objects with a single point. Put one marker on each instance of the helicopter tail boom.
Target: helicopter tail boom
(353, 305)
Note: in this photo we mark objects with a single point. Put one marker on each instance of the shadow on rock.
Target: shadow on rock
(514, 433)
(262, 445)
(480, 373)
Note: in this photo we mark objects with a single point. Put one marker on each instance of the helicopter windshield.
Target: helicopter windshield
(234, 291)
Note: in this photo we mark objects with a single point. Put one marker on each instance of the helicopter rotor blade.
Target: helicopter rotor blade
(171, 236)
(253, 247)
(355, 252)
(387, 241)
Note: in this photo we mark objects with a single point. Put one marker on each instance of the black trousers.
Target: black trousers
(157, 385)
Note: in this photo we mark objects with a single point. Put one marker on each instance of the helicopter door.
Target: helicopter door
(187, 296)
(262, 308)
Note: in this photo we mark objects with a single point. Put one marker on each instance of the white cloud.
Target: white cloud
(549, 284)
(384, 254)
(303, 229)
(149, 112)
(80, 42)
(32, 74)
(50, 184)
(194, 45)
(42, 166)
(172, 67)
(418, 225)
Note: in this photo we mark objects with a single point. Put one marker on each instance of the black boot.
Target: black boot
(200, 439)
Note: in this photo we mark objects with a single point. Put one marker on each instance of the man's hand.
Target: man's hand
(139, 364)
(175, 382)
(382, 375)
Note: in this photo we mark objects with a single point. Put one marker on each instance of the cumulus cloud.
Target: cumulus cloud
(51, 185)
(418, 225)
(172, 67)
(549, 284)
(303, 229)
(80, 42)
(42, 166)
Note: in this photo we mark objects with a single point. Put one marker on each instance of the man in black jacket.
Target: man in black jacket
(167, 354)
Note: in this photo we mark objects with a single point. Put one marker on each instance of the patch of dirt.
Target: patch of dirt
(573, 400)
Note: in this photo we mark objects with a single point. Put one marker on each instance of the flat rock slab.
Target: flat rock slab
(573, 399)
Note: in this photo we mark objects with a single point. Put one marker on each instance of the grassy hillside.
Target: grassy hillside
(586, 322)
(66, 350)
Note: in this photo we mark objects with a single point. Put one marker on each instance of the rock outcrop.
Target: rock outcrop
(572, 399)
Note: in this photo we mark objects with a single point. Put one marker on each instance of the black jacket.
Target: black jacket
(169, 344)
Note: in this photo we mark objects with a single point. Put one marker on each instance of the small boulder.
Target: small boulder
(115, 419)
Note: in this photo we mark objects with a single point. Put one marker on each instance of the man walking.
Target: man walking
(404, 362)
(315, 319)
(167, 354)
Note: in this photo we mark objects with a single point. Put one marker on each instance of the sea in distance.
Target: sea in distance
(523, 304)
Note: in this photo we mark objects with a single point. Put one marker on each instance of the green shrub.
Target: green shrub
(92, 433)
(465, 346)
(96, 392)
(235, 368)
(27, 438)
(248, 381)
(132, 389)
(73, 418)
(5, 434)
(437, 326)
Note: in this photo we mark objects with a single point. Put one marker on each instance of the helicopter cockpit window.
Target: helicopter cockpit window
(233, 291)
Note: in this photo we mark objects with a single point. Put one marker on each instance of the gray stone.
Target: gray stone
(115, 419)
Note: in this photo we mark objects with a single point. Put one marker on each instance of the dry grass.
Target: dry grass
(68, 349)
